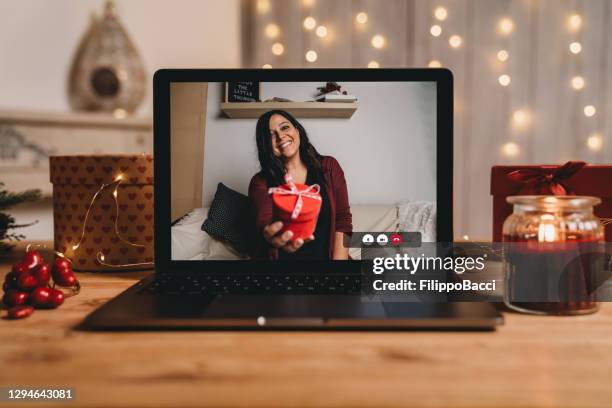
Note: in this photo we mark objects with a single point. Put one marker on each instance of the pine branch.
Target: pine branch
(7, 222)
(8, 199)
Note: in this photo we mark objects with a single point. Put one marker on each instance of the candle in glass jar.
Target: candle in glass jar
(545, 238)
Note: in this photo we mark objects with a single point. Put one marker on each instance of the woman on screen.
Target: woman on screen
(283, 148)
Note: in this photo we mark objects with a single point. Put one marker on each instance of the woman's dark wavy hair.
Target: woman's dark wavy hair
(272, 167)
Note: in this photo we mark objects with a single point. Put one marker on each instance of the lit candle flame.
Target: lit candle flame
(547, 231)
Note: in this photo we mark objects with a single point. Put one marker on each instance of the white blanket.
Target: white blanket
(418, 216)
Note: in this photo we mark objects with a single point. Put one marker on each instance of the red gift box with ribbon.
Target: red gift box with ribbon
(572, 178)
(297, 206)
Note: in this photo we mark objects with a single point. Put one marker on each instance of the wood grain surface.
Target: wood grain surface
(531, 361)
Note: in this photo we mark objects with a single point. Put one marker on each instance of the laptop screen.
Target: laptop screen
(298, 171)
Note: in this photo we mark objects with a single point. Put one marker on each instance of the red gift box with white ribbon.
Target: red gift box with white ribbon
(297, 206)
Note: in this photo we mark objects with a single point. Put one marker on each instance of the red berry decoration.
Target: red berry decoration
(27, 285)
(62, 264)
(40, 297)
(56, 298)
(10, 281)
(20, 312)
(62, 273)
(26, 282)
(67, 280)
(32, 258)
(21, 268)
(15, 298)
(42, 274)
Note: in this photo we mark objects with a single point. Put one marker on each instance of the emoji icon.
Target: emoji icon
(396, 239)
(367, 239)
(382, 239)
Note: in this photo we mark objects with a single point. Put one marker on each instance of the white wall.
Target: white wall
(387, 149)
(38, 39)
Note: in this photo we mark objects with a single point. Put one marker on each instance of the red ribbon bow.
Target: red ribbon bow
(546, 182)
(310, 192)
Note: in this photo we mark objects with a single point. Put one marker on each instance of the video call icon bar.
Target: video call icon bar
(383, 239)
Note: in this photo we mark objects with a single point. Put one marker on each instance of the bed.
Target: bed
(189, 242)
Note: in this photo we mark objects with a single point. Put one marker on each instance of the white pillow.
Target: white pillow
(190, 243)
(219, 250)
(188, 240)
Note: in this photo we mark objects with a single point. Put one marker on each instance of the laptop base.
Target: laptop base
(133, 310)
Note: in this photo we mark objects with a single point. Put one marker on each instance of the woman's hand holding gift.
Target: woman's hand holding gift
(282, 240)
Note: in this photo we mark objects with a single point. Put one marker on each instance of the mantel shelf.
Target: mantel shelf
(253, 110)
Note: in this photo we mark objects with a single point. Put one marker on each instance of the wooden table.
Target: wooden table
(531, 361)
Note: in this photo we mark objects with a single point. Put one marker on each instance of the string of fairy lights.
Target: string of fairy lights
(100, 256)
(520, 118)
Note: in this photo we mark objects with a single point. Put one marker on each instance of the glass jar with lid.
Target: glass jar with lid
(545, 240)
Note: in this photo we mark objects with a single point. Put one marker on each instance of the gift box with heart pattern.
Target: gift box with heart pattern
(76, 179)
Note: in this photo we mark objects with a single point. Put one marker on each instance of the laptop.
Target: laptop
(269, 185)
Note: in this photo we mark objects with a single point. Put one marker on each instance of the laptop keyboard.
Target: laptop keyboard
(199, 284)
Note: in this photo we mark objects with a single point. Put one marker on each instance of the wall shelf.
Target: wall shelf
(28, 138)
(75, 119)
(253, 110)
